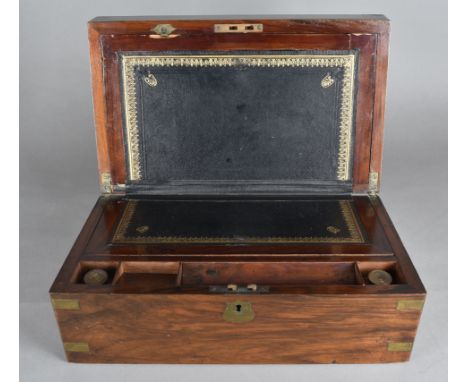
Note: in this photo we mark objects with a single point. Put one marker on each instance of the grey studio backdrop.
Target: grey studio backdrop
(59, 182)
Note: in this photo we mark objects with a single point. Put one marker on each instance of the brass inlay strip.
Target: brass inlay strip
(346, 61)
(120, 235)
(399, 346)
(415, 305)
(65, 304)
(76, 347)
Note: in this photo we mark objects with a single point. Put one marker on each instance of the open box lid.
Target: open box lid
(239, 106)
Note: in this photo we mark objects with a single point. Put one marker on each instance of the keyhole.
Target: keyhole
(238, 307)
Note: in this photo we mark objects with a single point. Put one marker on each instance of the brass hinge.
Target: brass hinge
(65, 304)
(76, 347)
(108, 187)
(106, 183)
(373, 183)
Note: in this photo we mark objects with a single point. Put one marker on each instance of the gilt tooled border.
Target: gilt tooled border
(120, 235)
(347, 61)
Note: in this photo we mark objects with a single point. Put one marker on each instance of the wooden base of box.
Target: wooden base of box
(190, 329)
(175, 303)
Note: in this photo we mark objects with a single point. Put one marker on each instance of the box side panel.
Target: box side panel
(101, 328)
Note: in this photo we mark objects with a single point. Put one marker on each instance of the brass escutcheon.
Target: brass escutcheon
(163, 30)
(238, 312)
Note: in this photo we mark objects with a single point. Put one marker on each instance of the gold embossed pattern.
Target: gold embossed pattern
(345, 61)
(123, 235)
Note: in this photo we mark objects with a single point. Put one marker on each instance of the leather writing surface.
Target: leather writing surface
(237, 123)
(238, 221)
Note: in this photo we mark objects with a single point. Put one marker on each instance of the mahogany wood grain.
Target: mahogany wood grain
(379, 105)
(154, 328)
(150, 317)
(268, 273)
(200, 25)
(159, 304)
(368, 34)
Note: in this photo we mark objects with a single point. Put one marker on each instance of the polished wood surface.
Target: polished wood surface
(155, 328)
(303, 303)
(94, 246)
(159, 307)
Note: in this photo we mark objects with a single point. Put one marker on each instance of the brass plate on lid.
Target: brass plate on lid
(163, 30)
(238, 28)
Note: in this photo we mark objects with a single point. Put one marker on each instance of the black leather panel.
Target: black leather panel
(238, 221)
(239, 125)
